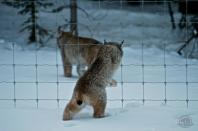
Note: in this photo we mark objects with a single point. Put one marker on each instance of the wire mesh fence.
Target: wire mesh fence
(143, 82)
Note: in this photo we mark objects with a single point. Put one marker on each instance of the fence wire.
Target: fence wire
(143, 65)
(122, 82)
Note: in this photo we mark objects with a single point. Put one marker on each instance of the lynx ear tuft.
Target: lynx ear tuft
(59, 29)
(59, 32)
(121, 44)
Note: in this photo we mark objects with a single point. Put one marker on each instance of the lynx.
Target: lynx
(90, 88)
(80, 51)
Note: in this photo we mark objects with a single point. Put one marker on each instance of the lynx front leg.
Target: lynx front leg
(113, 83)
(81, 69)
(68, 70)
(67, 66)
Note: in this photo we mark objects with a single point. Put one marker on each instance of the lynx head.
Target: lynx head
(116, 50)
(63, 37)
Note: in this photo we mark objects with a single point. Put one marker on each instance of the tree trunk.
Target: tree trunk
(73, 17)
(33, 37)
(171, 15)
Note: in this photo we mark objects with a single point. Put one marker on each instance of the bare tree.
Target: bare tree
(73, 17)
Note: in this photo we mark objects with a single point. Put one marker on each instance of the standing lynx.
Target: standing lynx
(90, 88)
(80, 51)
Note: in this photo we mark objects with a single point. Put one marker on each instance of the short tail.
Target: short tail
(79, 98)
(73, 107)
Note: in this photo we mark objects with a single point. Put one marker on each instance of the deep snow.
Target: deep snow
(153, 115)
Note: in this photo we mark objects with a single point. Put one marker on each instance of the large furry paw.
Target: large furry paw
(98, 115)
(113, 83)
(68, 71)
(68, 75)
(66, 117)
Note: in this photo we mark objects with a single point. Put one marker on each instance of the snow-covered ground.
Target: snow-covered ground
(136, 28)
(153, 115)
(132, 117)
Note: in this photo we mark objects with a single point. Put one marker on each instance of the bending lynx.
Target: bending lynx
(81, 51)
(90, 88)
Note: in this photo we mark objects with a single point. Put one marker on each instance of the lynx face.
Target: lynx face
(62, 38)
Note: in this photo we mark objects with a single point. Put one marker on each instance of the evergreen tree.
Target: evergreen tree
(37, 32)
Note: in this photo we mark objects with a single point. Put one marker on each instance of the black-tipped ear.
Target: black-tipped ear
(60, 32)
(59, 29)
(121, 43)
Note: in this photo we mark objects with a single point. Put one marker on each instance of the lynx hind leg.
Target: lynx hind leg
(99, 109)
(112, 83)
(99, 102)
(81, 69)
(72, 108)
